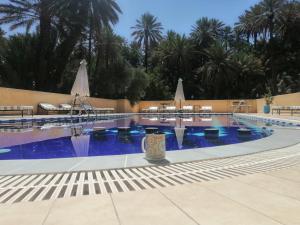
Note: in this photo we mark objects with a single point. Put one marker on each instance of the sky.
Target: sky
(177, 15)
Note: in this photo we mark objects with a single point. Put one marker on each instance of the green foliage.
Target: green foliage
(157, 88)
(217, 74)
(206, 31)
(133, 54)
(147, 32)
(18, 61)
(139, 82)
(268, 97)
(250, 75)
(173, 58)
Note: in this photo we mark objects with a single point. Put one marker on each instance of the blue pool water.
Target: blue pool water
(62, 140)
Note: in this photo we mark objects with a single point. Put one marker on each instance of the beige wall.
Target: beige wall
(283, 100)
(9, 96)
(123, 105)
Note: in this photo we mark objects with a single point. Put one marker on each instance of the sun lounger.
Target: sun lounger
(90, 108)
(46, 108)
(20, 108)
(169, 109)
(68, 107)
(206, 109)
(188, 108)
(87, 108)
(65, 106)
(295, 109)
(104, 110)
(280, 109)
(151, 109)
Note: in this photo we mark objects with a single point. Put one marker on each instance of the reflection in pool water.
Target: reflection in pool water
(60, 141)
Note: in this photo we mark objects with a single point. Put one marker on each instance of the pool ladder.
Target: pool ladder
(239, 106)
(85, 106)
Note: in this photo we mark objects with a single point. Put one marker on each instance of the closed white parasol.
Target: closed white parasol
(179, 95)
(81, 84)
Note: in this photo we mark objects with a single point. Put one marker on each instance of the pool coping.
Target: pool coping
(277, 140)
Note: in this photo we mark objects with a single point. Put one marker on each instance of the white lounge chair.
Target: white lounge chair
(18, 108)
(65, 106)
(170, 109)
(87, 108)
(151, 109)
(104, 110)
(188, 108)
(206, 109)
(46, 108)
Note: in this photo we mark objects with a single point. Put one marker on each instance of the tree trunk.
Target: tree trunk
(63, 52)
(90, 45)
(146, 53)
(43, 52)
(255, 40)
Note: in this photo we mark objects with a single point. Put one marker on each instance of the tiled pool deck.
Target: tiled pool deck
(271, 198)
(254, 189)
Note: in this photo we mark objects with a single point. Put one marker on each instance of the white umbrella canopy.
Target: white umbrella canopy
(81, 84)
(81, 145)
(179, 95)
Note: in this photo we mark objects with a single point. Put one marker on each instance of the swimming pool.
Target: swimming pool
(63, 139)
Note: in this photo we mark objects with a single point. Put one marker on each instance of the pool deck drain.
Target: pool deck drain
(41, 187)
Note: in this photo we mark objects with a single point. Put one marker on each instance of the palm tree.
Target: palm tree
(288, 20)
(175, 54)
(206, 31)
(261, 19)
(270, 14)
(69, 17)
(249, 25)
(147, 32)
(227, 36)
(249, 72)
(22, 13)
(27, 13)
(217, 73)
(94, 15)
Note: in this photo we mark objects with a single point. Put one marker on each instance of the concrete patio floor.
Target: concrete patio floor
(260, 199)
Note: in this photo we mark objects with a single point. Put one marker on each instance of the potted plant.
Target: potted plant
(269, 100)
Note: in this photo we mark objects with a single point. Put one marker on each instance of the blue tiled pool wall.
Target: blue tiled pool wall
(66, 118)
(268, 121)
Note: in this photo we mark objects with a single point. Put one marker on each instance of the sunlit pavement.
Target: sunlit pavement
(267, 198)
